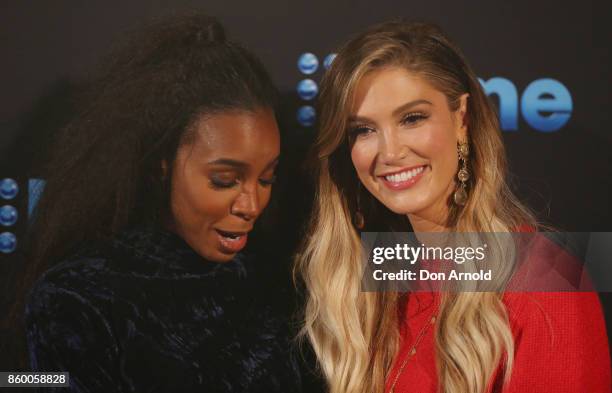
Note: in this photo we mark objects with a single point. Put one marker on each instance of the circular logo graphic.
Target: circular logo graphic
(8, 242)
(8, 188)
(307, 89)
(329, 59)
(8, 215)
(306, 115)
(308, 63)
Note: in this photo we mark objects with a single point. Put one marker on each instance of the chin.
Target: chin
(403, 207)
(215, 256)
(399, 209)
(222, 258)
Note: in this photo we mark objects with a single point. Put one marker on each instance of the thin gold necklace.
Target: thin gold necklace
(412, 351)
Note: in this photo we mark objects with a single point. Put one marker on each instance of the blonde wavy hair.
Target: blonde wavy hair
(355, 334)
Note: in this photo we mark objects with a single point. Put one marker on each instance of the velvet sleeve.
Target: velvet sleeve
(68, 331)
(561, 344)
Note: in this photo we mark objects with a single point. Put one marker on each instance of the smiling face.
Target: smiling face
(222, 181)
(404, 142)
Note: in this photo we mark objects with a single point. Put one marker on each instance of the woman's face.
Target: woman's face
(222, 181)
(404, 142)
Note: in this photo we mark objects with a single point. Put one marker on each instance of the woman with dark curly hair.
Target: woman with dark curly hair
(137, 278)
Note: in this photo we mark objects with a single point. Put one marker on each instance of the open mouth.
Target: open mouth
(232, 242)
(405, 178)
(231, 235)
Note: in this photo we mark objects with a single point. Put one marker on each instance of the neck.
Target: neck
(422, 224)
(434, 217)
(429, 232)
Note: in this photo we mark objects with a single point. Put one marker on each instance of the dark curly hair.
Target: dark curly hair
(105, 171)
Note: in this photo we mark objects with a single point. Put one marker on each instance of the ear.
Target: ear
(462, 118)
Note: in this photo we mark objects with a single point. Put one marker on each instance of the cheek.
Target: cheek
(263, 196)
(363, 155)
(209, 204)
(439, 145)
(194, 203)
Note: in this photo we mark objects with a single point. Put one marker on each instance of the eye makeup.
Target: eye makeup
(413, 118)
(223, 180)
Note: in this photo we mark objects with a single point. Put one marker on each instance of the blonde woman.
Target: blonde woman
(407, 137)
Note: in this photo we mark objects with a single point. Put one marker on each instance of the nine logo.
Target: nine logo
(306, 115)
(8, 188)
(307, 89)
(308, 63)
(546, 104)
(8, 215)
(8, 242)
(327, 62)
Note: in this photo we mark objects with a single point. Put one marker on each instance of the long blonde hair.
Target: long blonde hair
(355, 334)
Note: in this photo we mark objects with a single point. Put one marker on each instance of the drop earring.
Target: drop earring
(460, 196)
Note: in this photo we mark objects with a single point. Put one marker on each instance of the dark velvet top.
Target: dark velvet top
(148, 314)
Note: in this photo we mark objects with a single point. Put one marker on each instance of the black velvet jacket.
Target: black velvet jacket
(147, 314)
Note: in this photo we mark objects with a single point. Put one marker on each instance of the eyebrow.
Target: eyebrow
(397, 111)
(238, 164)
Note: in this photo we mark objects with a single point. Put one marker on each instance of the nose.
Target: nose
(390, 148)
(246, 205)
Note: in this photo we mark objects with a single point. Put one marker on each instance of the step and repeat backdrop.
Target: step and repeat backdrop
(545, 65)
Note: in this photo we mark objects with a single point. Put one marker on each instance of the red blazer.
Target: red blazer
(561, 345)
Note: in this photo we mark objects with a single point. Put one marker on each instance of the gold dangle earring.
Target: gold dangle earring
(460, 196)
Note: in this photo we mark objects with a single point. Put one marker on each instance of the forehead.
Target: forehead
(387, 88)
(242, 135)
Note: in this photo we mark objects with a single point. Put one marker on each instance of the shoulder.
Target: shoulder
(561, 342)
(67, 313)
(74, 283)
(556, 311)
(564, 330)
